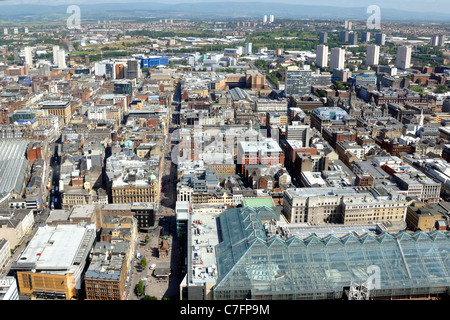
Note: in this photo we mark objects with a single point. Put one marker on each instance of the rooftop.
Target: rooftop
(202, 255)
(253, 261)
(58, 249)
(258, 202)
(13, 166)
(107, 261)
(260, 146)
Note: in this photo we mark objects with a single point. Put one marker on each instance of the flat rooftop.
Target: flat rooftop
(202, 241)
(58, 215)
(258, 202)
(311, 192)
(56, 247)
(54, 104)
(83, 211)
(260, 146)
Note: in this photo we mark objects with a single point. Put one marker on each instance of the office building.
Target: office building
(108, 269)
(349, 151)
(380, 39)
(133, 69)
(403, 57)
(271, 18)
(266, 152)
(320, 79)
(141, 212)
(201, 264)
(131, 188)
(61, 109)
(15, 224)
(323, 117)
(298, 82)
(52, 265)
(8, 288)
(346, 205)
(425, 215)
(361, 80)
(5, 31)
(322, 56)
(372, 55)
(341, 75)
(337, 59)
(153, 61)
(265, 19)
(299, 132)
(417, 184)
(123, 87)
(269, 105)
(144, 213)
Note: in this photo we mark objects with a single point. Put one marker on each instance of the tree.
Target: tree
(147, 238)
(340, 86)
(140, 288)
(321, 93)
(148, 297)
(143, 263)
(440, 89)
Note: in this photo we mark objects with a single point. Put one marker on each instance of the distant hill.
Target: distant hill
(215, 9)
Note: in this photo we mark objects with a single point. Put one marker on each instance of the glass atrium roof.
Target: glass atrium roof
(268, 264)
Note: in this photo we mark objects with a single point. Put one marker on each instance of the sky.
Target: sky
(442, 6)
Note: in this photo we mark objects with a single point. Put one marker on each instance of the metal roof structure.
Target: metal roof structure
(13, 166)
(255, 259)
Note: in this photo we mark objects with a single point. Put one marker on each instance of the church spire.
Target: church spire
(421, 118)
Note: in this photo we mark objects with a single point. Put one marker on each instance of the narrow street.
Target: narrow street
(162, 289)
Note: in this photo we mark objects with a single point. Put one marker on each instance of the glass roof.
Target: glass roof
(248, 258)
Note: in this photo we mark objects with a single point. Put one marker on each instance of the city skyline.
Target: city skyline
(412, 5)
(216, 151)
(390, 9)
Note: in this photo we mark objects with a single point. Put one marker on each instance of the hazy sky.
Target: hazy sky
(442, 6)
